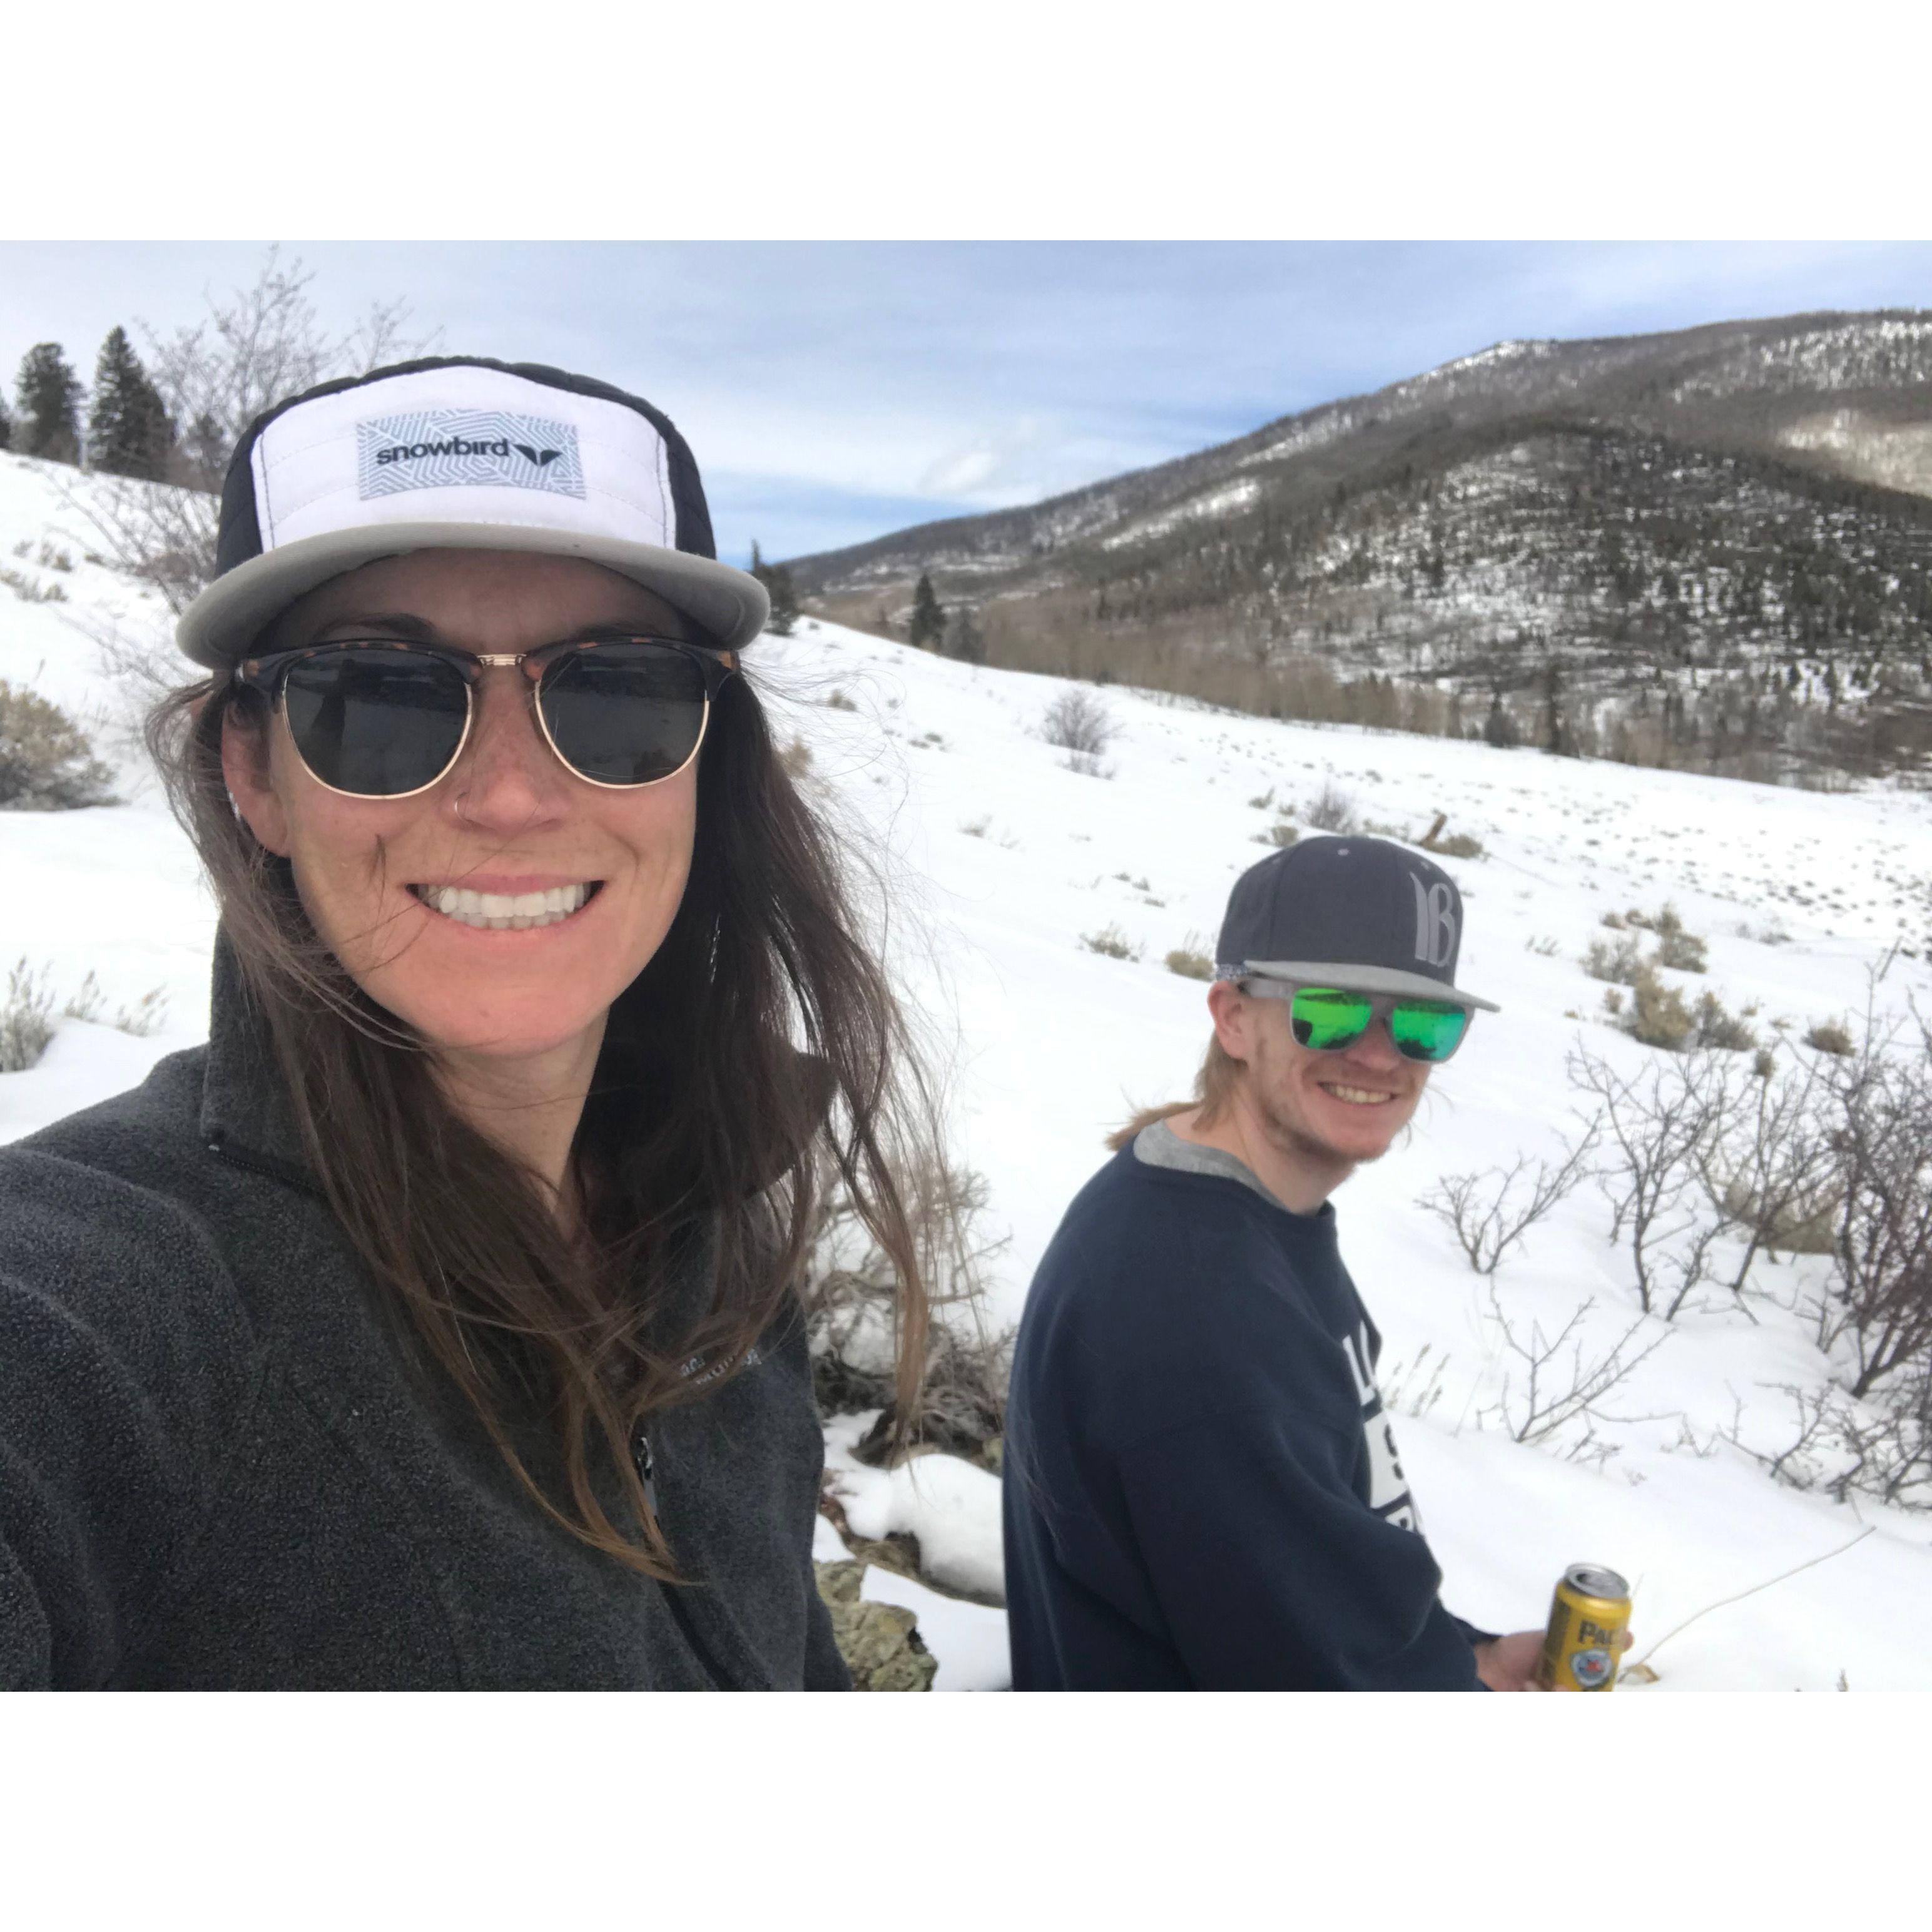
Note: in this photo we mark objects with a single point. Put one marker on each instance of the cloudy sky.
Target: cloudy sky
(834, 391)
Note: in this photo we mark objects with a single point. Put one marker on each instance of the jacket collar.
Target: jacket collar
(245, 1111)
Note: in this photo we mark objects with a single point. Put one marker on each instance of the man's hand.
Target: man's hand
(1509, 1663)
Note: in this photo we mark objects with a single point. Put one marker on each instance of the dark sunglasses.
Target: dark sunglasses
(1327, 1019)
(377, 718)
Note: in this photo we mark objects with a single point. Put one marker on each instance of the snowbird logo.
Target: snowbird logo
(539, 457)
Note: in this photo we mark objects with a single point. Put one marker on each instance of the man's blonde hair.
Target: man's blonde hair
(1214, 1087)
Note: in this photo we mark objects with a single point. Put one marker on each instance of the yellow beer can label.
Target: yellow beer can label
(1587, 1617)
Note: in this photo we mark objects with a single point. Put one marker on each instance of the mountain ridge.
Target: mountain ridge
(1731, 502)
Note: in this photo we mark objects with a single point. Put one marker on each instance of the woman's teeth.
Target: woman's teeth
(1356, 1096)
(503, 912)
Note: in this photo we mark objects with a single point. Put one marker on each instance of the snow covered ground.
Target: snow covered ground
(1004, 860)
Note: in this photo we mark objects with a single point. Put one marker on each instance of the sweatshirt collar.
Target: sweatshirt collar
(1158, 1145)
(245, 1110)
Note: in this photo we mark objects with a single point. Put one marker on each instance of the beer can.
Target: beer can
(1587, 1618)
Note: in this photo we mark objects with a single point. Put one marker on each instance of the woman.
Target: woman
(435, 1325)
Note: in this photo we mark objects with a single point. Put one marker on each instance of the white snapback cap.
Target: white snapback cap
(462, 453)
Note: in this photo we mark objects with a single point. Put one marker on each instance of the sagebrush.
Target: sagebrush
(47, 761)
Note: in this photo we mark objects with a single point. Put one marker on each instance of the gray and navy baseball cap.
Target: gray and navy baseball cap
(458, 452)
(1363, 914)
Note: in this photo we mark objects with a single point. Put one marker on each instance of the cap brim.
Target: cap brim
(225, 620)
(1367, 979)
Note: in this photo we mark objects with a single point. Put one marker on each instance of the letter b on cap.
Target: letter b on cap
(1435, 923)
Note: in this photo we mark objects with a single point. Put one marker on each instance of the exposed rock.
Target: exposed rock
(840, 1582)
(880, 1643)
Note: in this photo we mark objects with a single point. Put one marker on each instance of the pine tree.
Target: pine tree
(49, 395)
(777, 580)
(129, 432)
(785, 602)
(929, 615)
(204, 454)
(1558, 738)
(1499, 727)
(964, 638)
(6, 426)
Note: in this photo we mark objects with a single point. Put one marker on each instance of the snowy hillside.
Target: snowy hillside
(1006, 860)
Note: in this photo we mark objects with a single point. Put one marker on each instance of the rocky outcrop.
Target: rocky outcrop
(880, 1643)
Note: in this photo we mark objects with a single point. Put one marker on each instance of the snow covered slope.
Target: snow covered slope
(1002, 860)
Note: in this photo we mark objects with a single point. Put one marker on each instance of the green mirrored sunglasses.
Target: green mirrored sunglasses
(1328, 1019)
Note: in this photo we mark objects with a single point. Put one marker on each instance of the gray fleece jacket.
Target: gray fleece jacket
(217, 1471)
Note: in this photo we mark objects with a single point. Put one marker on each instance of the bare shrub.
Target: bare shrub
(1658, 1130)
(852, 1300)
(259, 345)
(26, 1024)
(30, 589)
(143, 1017)
(1658, 1016)
(839, 701)
(1614, 920)
(1828, 1036)
(1556, 1384)
(1077, 721)
(1682, 951)
(1881, 1448)
(1331, 809)
(47, 762)
(797, 759)
(1088, 765)
(1110, 943)
(1720, 1030)
(1620, 964)
(1282, 832)
(1771, 1166)
(1879, 1300)
(1190, 961)
(1460, 845)
(1489, 1213)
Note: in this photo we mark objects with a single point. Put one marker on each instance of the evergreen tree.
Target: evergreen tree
(964, 638)
(929, 615)
(776, 578)
(784, 601)
(204, 453)
(1499, 727)
(49, 395)
(6, 426)
(1559, 740)
(129, 432)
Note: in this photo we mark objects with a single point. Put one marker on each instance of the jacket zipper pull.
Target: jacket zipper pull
(640, 1460)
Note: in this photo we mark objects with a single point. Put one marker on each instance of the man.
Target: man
(1202, 1486)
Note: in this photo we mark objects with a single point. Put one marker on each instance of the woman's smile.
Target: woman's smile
(495, 904)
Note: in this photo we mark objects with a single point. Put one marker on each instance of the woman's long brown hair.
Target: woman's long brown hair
(761, 1049)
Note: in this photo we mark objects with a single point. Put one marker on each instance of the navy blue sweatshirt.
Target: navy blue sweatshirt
(1202, 1490)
